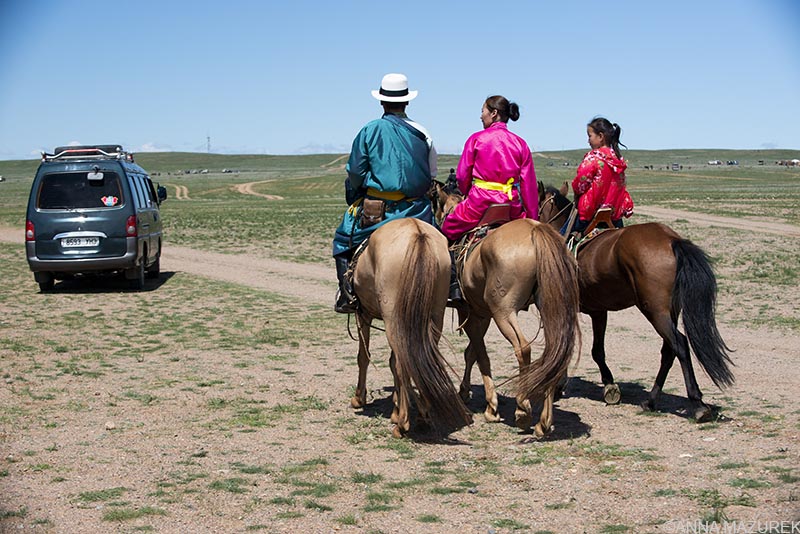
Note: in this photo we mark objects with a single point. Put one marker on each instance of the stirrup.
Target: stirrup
(344, 304)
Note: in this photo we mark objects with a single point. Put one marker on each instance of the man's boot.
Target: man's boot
(345, 296)
(454, 299)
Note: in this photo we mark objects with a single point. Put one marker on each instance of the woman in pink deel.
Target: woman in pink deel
(600, 180)
(496, 167)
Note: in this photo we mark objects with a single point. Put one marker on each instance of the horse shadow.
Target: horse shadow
(421, 431)
(101, 283)
(566, 425)
(633, 394)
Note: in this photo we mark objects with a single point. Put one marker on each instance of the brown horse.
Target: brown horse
(518, 264)
(651, 267)
(403, 278)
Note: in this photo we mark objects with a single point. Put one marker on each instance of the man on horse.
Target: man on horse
(391, 167)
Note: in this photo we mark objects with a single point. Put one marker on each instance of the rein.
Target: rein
(552, 199)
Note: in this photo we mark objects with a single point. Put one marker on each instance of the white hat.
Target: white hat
(394, 88)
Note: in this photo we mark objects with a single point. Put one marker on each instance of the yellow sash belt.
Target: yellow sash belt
(383, 195)
(506, 188)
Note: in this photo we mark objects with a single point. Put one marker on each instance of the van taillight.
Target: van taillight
(130, 226)
(30, 235)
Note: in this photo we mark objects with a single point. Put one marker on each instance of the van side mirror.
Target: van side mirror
(161, 192)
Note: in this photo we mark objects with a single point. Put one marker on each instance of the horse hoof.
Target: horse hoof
(491, 417)
(465, 394)
(397, 432)
(540, 432)
(611, 394)
(355, 402)
(648, 406)
(523, 419)
(703, 414)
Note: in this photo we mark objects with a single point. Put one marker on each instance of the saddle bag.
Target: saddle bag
(373, 211)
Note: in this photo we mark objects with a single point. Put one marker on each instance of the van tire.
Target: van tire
(155, 269)
(47, 285)
(137, 282)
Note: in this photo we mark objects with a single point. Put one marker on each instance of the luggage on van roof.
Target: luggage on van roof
(88, 152)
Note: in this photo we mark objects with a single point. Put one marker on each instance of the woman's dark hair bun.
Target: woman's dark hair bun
(513, 111)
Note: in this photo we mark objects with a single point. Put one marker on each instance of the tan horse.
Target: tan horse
(403, 278)
(520, 263)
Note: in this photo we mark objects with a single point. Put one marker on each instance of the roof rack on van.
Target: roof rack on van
(88, 152)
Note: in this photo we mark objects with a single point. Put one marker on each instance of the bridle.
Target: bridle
(551, 198)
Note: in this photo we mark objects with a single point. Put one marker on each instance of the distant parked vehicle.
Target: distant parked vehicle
(715, 162)
(92, 209)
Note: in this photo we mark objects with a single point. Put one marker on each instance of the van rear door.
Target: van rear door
(75, 214)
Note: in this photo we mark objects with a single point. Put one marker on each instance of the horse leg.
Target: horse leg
(676, 344)
(545, 423)
(476, 351)
(522, 349)
(611, 393)
(667, 359)
(400, 412)
(359, 399)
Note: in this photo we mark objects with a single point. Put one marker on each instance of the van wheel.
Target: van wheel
(137, 282)
(47, 286)
(155, 269)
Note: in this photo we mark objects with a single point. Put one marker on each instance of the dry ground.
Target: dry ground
(79, 447)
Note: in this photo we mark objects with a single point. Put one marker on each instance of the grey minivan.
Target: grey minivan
(91, 210)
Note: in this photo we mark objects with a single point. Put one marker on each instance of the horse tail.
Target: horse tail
(695, 293)
(416, 336)
(557, 298)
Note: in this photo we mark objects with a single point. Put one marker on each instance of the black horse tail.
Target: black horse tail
(695, 294)
(416, 336)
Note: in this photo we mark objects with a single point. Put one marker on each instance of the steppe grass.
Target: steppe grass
(158, 356)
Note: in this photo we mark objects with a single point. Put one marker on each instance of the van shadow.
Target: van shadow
(632, 394)
(102, 283)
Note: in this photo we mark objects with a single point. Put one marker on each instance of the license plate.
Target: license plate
(80, 242)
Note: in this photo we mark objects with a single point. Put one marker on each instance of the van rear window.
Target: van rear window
(75, 190)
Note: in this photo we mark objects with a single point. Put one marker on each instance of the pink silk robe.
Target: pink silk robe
(494, 154)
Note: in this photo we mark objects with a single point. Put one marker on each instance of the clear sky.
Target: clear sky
(294, 76)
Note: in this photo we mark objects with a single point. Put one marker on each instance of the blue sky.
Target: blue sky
(285, 77)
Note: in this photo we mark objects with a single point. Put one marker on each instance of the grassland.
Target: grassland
(211, 407)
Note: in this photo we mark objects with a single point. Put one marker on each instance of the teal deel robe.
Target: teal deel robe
(388, 155)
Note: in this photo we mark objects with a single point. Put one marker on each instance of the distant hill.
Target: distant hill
(182, 161)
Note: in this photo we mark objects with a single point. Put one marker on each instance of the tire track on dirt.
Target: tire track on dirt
(310, 284)
(181, 191)
(703, 219)
(334, 162)
(247, 189)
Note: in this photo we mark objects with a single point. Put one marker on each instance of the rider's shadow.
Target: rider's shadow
(633, 394)
(566, 425)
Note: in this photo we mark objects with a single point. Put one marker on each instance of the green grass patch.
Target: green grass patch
(231, 485)
(127, 514)
(102, 495)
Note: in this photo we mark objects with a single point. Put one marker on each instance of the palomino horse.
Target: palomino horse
(651, 267)
(518, 264)
(403, 277)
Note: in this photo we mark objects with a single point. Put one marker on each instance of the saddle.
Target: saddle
(576, 241)
(494, 216)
